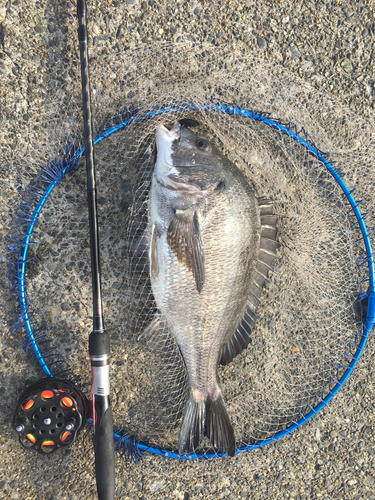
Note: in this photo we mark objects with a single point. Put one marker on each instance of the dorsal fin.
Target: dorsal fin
(266, 255)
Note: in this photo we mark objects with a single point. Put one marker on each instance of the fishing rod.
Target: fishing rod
(99, 340)
(52, 412)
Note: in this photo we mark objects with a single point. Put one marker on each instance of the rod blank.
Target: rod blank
(99, 347)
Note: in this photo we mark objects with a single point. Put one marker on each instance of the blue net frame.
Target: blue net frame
(36, 341)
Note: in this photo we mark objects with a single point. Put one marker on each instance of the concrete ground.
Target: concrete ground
(330, 45)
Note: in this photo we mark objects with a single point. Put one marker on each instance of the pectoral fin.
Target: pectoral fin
(184, 238)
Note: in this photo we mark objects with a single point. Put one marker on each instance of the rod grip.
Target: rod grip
(105, 457)
(99, 343)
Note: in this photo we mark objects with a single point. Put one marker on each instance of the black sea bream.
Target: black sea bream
(212, 243)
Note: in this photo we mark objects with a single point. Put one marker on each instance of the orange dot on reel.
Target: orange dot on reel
(66, 402)
(28, 405)
(31, 437)
(65, 435)
(48, 442)
(47, 395)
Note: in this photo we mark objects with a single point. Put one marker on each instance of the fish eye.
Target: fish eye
(202, 144)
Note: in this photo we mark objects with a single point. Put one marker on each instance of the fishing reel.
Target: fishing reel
(50, 414)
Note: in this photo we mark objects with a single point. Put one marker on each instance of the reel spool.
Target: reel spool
(49, 415)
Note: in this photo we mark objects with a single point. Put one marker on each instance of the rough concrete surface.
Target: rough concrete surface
(328, 44)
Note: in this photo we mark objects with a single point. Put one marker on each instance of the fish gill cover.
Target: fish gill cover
(308, 315)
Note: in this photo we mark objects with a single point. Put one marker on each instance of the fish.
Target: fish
(212, 243)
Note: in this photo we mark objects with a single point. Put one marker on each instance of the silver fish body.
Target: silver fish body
(205, 243)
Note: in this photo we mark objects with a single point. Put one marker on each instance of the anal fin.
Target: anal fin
(184, 238)
(241, 337)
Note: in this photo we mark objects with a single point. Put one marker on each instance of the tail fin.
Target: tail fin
(219, 430)
(193, 425)
(206, 418)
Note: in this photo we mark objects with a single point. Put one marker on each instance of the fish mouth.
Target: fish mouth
(173, 134)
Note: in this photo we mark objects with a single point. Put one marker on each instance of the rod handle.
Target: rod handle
(105, 457)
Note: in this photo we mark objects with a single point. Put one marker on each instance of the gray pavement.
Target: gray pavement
(330, 45)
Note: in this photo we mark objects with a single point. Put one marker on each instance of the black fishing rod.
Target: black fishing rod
(99, 339)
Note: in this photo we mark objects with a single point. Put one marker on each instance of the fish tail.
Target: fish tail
(219, 429)
(209, 418)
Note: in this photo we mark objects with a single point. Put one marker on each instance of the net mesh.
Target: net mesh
(308, 313)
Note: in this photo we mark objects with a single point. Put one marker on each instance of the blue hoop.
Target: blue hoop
(56, 172)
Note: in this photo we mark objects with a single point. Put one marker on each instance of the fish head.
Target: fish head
(186, 161)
